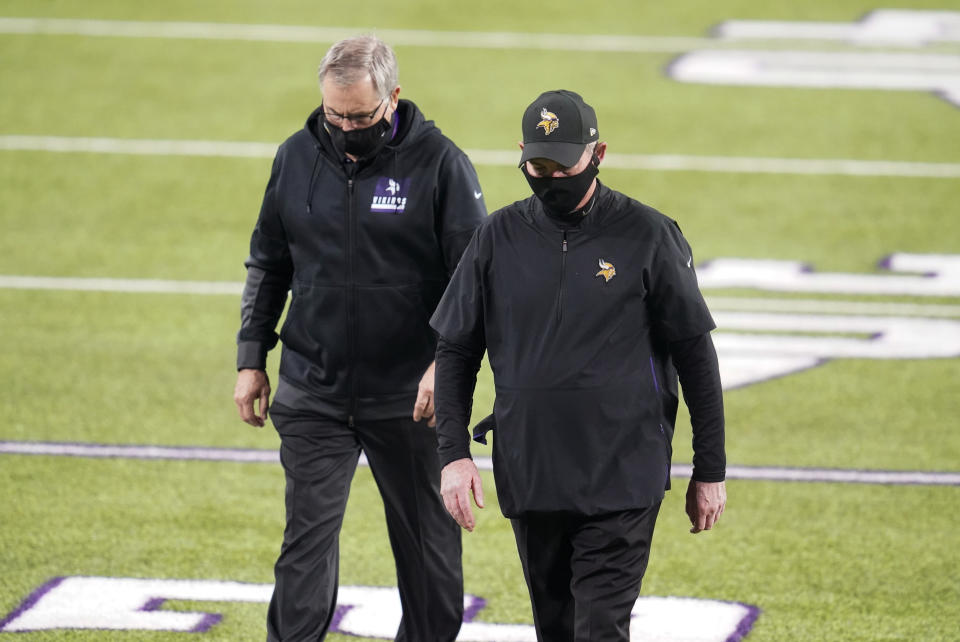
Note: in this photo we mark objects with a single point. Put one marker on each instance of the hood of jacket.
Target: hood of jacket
(411, 125)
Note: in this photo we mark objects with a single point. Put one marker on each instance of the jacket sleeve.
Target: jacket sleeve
(456, 380)
(675, 302)
(459, 317)
(458, 320)
(699, 371)
(460, 206)
(269, 273)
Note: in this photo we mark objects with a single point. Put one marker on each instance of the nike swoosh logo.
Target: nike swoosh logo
(689, 261)
(477, 195)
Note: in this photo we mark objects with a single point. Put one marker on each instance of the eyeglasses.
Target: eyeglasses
(545, 167)
(358, 120)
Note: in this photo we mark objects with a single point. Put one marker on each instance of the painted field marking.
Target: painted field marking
(892, 71)
(136, 604)
(907, 274)
(939, 74)
(611, 43)
(825, 306)
(140, 147)
(127, 286)
(756, 343)
(906, 27)
(251, 455)
(396, 37)
(235, 288)
(652, 162)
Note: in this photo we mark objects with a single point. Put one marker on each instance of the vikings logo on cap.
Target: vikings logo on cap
(549, 121)
(607, 271)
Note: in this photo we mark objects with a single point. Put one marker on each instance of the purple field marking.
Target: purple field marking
(127, 451)
(207, 622)
(886, 263)
(844, 476)
(239, 455)
(819, 362)
(338, 615)
(153, 604)
(477, 604)
(746, 624)
(31, 600)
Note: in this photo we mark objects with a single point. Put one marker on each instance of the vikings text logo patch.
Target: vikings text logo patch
(390, 195)
(549, 121)
(607, 271)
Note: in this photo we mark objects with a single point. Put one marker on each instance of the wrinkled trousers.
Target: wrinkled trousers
(319, 457)
(584, 573)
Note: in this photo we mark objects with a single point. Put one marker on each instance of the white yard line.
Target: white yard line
(396, 37)
(748, 165)
(234, 288)
(765, 473)
(827, 306)
(656, 162)
(131, 286)
(426, 38)
(144, 147)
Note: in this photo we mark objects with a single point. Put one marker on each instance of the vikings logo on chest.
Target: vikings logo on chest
(607, 271)
(390, 195)
(548, 120)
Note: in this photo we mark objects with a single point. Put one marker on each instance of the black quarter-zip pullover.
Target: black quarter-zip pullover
(586, 389)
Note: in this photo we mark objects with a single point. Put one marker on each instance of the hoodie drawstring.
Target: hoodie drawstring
(396, 174)
(313, 177)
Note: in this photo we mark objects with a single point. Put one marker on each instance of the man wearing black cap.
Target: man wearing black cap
(587, 305)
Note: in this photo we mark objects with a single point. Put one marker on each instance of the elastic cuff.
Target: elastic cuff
(453, 455)
(251, 354)
(709, 477)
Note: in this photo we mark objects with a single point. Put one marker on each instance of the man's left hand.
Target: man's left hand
(705, 504)
(424, 408)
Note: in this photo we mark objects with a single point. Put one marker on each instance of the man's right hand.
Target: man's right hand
(458, 480)
(252, 385)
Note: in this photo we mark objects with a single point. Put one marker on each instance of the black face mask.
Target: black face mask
(560, 196)
(362, 143)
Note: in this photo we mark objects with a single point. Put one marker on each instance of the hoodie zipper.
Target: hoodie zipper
(563, 269)
(351, 312)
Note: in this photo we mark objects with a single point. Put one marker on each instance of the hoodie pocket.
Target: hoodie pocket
(395, 343)
(316, 330)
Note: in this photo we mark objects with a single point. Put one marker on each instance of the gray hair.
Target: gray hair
(351, 60)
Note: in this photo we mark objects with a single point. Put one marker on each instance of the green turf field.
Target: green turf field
(822, 561)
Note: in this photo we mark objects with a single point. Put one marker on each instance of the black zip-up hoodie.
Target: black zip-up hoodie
(366, 249)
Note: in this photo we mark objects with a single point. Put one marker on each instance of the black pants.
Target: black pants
(584, 573)
(319, 457)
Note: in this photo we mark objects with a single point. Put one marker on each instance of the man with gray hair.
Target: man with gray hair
(365, 216)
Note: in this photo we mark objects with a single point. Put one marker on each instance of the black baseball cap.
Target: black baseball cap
(558, 125)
